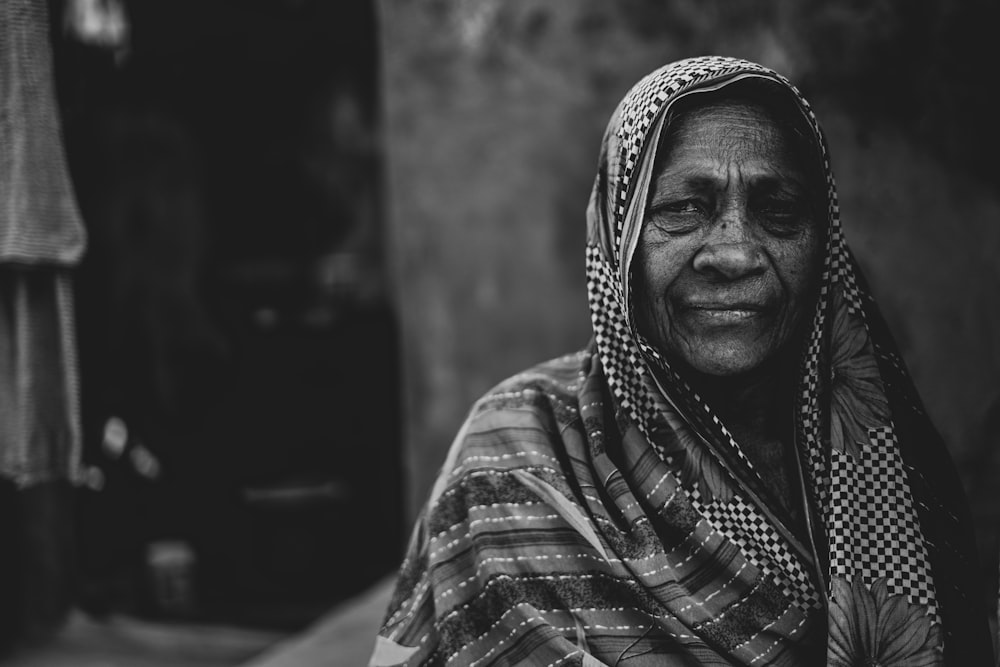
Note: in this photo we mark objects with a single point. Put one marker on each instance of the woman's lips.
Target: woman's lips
(724, 313)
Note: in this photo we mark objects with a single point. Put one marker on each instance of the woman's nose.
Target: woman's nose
(731, 260)
(730, 251)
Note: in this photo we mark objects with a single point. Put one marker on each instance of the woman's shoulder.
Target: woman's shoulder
(521, 421)
(550, 389)
(526, 424)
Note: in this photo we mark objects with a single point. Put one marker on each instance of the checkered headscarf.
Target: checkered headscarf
(859, 486)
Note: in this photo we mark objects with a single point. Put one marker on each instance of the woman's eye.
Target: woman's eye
(679, 217)
(684, 206)
(782, 209)
(783, 217)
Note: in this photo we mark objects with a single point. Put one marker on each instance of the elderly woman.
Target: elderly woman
(737, 470)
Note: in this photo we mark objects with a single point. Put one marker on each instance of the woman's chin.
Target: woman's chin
(727, 359)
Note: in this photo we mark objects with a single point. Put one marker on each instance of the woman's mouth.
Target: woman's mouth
(727, 314)
(724, 313)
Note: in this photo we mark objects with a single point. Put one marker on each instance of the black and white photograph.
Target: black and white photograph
(482, 333)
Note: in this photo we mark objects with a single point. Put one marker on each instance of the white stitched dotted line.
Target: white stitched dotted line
(776, 641)
(566, 657)
(670, 498)
(696, 550)
(675, 635)
(514, 631)
(483, 563)
(597, 626)
(500, 559)
(769, 626)
(464, 524)
(475, 522)
(455, 472)
(506, 457)
(512, 517)
(658, 483)
(716, 591)
(573, 610)
(656, 570)
(765, 629)
(452, 490)
(510, 394)
(667, 566)
(491, 582)
(514, 559)
(464, 536)
(448, 546)
(734, 606)
(523, 392)
(726, 585)
(499, 643)
(439, 597)
(577, 556)
(483, 473)
(624, 508)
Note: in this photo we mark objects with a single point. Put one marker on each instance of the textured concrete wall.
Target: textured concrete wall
(494, 110)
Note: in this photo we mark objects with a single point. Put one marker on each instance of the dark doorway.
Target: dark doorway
(237, 348)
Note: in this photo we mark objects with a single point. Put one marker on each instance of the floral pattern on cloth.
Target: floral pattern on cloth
(858, 397)
(699, 469)
(871, 627)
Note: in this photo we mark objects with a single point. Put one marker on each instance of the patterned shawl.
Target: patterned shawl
(594, 510)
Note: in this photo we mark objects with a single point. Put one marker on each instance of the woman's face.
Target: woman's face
(731, 244)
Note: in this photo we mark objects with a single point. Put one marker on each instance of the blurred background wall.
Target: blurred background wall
(493, 114)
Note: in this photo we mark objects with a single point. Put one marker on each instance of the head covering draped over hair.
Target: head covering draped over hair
(596, 510)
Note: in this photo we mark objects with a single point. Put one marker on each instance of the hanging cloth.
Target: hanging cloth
(42, 238)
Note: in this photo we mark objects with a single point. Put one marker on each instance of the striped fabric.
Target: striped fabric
(40, 435)
(42, 239)
(594, 511)
(40, 223)
(532, 554)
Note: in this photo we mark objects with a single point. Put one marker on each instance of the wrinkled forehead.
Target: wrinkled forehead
(723, 132)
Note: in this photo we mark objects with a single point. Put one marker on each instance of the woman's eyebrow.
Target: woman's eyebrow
(774, 183)
(680, 185)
